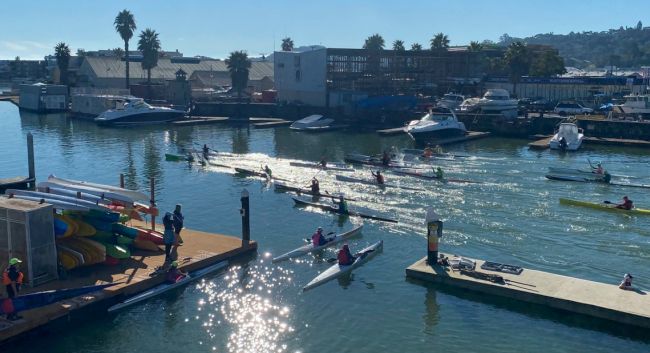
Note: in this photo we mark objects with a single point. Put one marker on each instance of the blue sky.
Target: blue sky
(30, 29)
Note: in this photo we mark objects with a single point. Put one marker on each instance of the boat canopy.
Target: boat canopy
(311, 118)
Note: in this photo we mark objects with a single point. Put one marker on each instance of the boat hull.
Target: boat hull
(433, 135)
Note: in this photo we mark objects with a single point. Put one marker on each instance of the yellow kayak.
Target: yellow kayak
(604, 207)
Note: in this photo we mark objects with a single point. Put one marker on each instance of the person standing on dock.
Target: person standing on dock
(178, 224)
(168, 236)
(12, 278)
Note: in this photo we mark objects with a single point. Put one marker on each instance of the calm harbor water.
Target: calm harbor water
(513, 217)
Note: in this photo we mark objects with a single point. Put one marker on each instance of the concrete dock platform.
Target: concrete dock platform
(200, 248)
(601, 300)
(541, 144)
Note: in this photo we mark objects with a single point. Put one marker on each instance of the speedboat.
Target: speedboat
(638, 104)
(436, 124)
(312, 122)
(567, 138)
(495, 101)
(134, 111)
(451, 101)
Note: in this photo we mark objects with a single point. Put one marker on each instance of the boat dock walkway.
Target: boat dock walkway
(601, 300)
(202, 120)
(543, 142)
(200, 249)
(12, 99)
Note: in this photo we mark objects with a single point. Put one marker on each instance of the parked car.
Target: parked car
(571, 108)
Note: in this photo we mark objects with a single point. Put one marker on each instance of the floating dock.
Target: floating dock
(543, 142)
(201, 248)
(601, 300)
(22, 183)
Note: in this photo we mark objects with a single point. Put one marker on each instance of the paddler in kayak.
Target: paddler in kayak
(378, 177)
(599, 169)
(323, 162)
(428, 152)
(385, 158)
(437, 150)
(342, 205)
(268, 171)
(174, 274)
(606, 177)
(318, 239)
(627, 204)
(315, 186)
(439, 173)
(345, 257)
(206, 151)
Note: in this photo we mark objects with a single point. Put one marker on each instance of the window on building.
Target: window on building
(298, 75)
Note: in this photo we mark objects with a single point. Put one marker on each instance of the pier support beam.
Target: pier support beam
(30, 160)
(245, 219)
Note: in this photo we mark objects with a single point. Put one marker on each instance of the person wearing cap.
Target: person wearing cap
(168, 236)
(345, 257)
(174, 274)
(627, 204)
(318, 239)
(178, 224)
(12, 279)
(627, 282)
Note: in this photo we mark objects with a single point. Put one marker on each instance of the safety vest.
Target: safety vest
(6, 280)
(344, 257)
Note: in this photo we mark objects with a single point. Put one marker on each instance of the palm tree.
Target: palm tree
(475, 46)
(439, 42)
(118, 52)
(149, 45)
(238, 65)
(398, 45)
(287, 44)
(125, 26)
(416, 47)
(517, 59)
(374, 42)
(62, 54)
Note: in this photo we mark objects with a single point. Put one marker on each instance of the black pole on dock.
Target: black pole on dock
(434, 233)
(30, 160)
(152, 201)
(245, 219)
(122, 180)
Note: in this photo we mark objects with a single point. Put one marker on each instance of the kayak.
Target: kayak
(135, 195)
(89, 190)
(309, 248)
(58, 204)
(177, 158)
(335, 167)
(603, 207)
(166, 287)
(38, 299)
(574, 171)
(443, 155)
(425, 176)
(44, 195)
(367, 160)
(256, 173)
(369, 182)
(69, 193)
(284, 187)
(583, 179)
(335, 209)
(337, 270)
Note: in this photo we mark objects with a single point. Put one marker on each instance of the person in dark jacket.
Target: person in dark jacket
(178, 224)
(168, 236)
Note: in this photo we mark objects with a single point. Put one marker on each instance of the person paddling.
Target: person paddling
(385, 158)
(599, 169)
(378, 177)
(206, 151)
(318, 239)
(627, 204)
(439, 173)
(345, 257)
(268, 171)
(342, 205)
(323, 162)
(428, 152)
(315, 186)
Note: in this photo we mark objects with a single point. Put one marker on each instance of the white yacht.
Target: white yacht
(451, 101)
(312, 122)
(436, 124)
(567, 138)
(134, 111)
(637, 104)
(494, 101)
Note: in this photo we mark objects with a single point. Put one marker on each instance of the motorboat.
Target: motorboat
(313, 122)
(135, 111)
(637, 104)
(436, 124)
(567, 138)
(451, 101)
(494, 101)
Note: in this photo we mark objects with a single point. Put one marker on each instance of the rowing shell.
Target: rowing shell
(424, 176)
(604, 207)
(256, 173)
(319, 166)
(337, 270)
(368, 182)
(330, 208)
(284, 187)
(310, 248)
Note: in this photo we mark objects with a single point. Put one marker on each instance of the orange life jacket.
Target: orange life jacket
(6, 280)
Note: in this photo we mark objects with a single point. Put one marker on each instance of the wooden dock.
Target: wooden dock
(541, 144)
(601, 300)
(22, 183)
(202, 249)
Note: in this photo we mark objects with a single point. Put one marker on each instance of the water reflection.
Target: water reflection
(240, 140)
(432, 310)
(247, 302)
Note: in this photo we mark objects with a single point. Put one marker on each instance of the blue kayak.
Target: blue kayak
(38, 299)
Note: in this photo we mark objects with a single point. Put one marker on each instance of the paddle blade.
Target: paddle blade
(607, 202)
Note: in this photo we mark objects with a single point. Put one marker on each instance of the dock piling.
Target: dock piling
(152, 201)
(245, 219)
(30, 160)
(434, 232)
(122, 180)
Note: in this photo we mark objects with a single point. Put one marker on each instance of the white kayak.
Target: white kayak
(309, 248)
(69, 193)
(46, 196)
(87, 189)
(337, 270)
(575, 171)
(165, 287)
(329, 166)
(135, 195)
(58, 204)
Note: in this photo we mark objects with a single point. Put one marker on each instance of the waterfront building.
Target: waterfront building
(43, 98)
